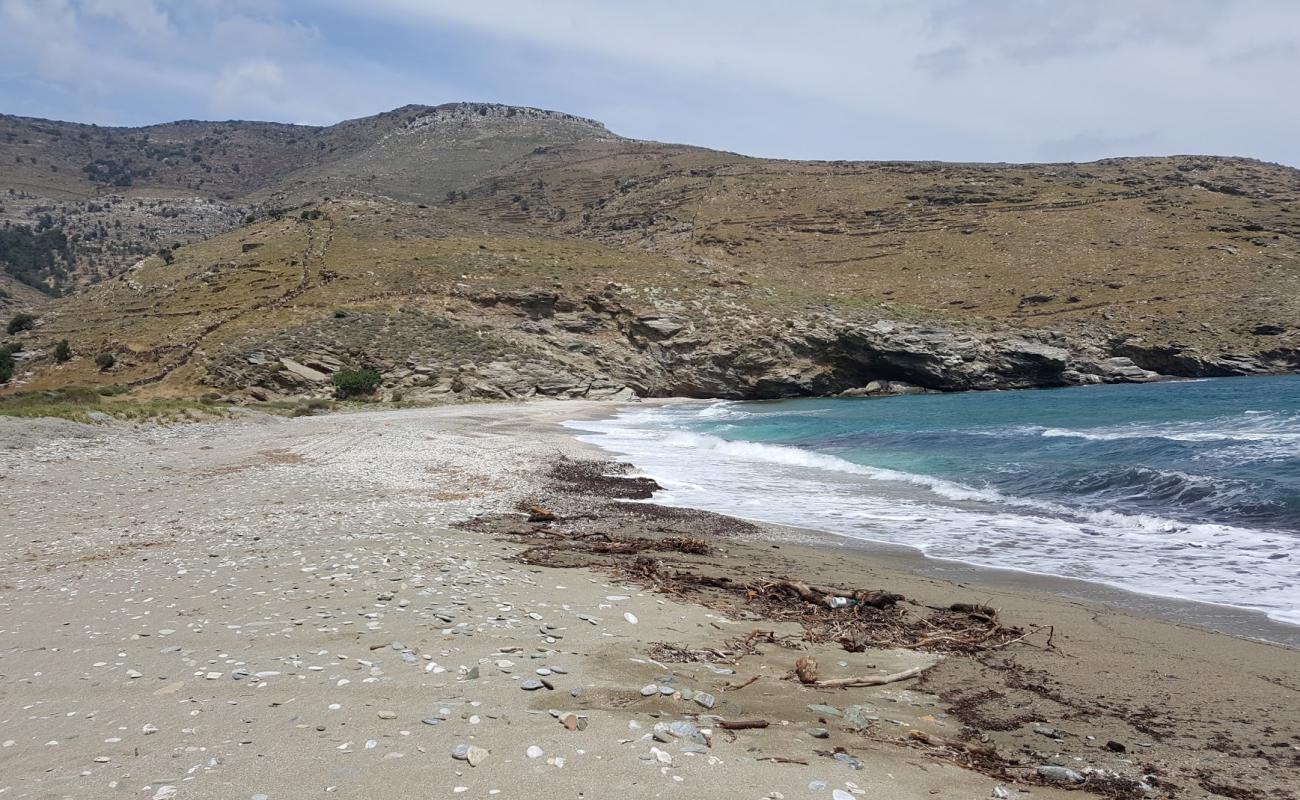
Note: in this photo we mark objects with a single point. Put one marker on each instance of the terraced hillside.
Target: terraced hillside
(475, 250)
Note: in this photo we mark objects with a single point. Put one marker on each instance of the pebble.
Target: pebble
(1003, 793)
(860, 716)
(840, 794)
(149, 728)
(134, 673)
(825, 711)
(531, 685)
(1059, 774)
(819, 733)
(649, 690)
(705, 699)
(467, 752)
(534, 751)
(630, 617)
(387, 715)
(574, 722)
(845, 758)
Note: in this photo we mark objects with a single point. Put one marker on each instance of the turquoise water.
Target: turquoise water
(1185, 489)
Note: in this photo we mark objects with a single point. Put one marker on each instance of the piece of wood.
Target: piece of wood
(742, 724)
(730, 688)
(870, 680)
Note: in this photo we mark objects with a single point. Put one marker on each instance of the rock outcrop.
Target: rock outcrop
(532, 343)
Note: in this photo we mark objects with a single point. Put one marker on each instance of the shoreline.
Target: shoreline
(334, 603)
(1242, 622)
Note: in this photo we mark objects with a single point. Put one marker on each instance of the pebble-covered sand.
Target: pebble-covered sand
(271, 609)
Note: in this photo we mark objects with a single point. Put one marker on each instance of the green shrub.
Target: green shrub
(62, 351)
(355, 382)
(6, 365)
(105, 361)
(21, 321)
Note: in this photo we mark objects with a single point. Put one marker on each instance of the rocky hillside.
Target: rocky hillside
(119, 194)
(488, 251)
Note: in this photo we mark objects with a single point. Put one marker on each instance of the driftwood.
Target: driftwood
(730, 688)
(822, 595)
(742, 724)
(871, 680)
(806, 670)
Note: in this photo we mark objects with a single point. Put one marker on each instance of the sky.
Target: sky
(953, 80)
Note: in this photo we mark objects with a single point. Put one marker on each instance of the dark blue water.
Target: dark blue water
(1188, 489)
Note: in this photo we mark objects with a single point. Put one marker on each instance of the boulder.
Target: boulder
(658, 327)
(303, 371)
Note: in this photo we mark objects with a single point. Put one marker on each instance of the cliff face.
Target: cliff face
(475, 250)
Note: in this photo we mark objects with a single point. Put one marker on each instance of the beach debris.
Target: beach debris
(742, 724)
(806, 671)
(860, 716)
(1059, 774)
(845, 758)
(540, 514)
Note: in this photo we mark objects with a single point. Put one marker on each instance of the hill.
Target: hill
(485, 250)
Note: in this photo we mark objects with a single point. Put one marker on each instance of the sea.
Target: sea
(1182, 489)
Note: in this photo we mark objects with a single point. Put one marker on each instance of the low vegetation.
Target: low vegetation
(106, 404)
(37, 256)
(349, 383)
(20, 322)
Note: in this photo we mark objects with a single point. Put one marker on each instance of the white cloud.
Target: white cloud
(257, 84)
(141, 16)
(1018, 72)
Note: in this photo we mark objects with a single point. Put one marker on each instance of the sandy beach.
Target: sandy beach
(357, 605)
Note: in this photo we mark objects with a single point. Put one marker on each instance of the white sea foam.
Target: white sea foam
(1213, 563)
(1253, 426)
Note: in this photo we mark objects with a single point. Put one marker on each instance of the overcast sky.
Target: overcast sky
(965, 80)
